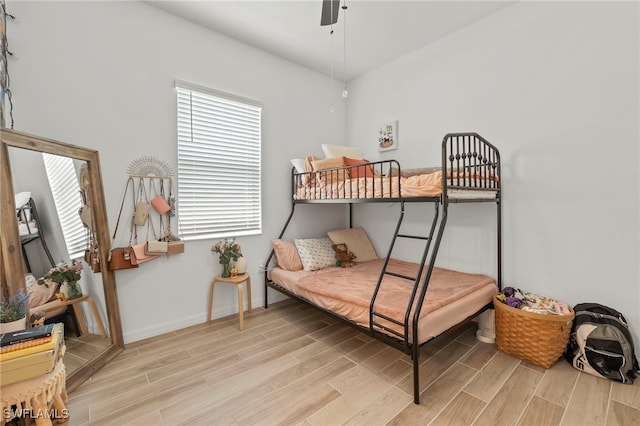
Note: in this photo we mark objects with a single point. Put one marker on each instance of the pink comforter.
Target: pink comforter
(425, 185)
(349, 290)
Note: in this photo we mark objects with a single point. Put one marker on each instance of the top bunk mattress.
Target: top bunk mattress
(451, 297)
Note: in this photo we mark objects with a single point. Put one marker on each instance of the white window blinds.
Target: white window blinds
(65, 189)
(219, 142)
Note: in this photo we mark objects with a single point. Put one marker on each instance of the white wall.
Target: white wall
(100, 75)
(555, 86)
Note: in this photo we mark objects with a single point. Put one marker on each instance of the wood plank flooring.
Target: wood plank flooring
(81, 350)
(293, 365)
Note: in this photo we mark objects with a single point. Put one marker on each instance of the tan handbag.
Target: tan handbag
(156, 247)
(175, 247)
(141, 214)
(85, 217)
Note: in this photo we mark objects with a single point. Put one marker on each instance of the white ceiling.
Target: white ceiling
(377, 32)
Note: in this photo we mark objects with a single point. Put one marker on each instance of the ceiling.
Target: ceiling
(376, 32)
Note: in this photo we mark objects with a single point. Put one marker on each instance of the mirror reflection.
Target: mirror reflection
(56, 229)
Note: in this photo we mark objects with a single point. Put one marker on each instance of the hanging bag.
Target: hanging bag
(142, 207)
(142, 254)
(174, 244)
(122, 257)
(141, 214)
(86, 217)
(155, 247)
(158, 202)
(91, 252)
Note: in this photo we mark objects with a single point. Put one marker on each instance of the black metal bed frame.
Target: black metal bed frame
(470, 163)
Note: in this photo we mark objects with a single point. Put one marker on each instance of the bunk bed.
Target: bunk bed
(403, 304)
(29, 226)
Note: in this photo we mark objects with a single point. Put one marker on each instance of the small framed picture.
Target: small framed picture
(388, 136)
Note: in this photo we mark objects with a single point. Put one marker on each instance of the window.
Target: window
(219, 142)
(65, 189)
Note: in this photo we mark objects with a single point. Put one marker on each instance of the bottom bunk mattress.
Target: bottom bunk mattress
(451, 297)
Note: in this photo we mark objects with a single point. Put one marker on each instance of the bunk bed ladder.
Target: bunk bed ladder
(374, 316)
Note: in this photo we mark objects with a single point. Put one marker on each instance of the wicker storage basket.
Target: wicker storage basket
(538, 338)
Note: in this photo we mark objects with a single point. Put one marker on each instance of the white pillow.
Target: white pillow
(315, 253)
(22, 198)
(331, 151)
(298, 163)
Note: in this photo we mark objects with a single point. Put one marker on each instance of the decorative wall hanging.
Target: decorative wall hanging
(388, 136)
(151, 181)
(149, 166)
(5, 91)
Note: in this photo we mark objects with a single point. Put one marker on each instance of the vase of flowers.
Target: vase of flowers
(66, 277)
(227, 250)
(72, 289)
(13, 312)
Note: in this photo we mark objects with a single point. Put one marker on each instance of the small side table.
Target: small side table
(75, 304)
(237, 280)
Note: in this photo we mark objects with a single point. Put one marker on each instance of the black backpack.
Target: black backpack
(600, 343)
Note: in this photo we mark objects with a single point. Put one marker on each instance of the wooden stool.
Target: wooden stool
(238, 280)
(75, 303)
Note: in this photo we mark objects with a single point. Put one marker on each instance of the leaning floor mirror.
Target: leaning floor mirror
(34, 239)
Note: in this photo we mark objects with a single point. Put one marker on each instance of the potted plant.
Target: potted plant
(13, 312)
(227, 250)
(62, 274)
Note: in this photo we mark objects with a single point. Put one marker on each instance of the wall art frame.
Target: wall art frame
(388, 136)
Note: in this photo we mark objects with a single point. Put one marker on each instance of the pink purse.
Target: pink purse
(141, 255)
(159, 203)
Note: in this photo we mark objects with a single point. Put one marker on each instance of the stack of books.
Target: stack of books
(30, 353)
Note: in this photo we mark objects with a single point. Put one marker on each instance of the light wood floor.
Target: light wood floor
(295, 366)
(81, 350)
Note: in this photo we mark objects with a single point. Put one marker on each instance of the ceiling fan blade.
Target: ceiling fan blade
(330, 12)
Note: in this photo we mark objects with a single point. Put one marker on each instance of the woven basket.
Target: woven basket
(538, 338)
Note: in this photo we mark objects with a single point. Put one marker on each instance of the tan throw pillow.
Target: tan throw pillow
(41, 294)
(287, 256)
(358, 242)
(330, 163)
(315, 253)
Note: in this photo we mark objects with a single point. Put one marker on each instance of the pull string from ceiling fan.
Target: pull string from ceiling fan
(332, 108)
(345, 93)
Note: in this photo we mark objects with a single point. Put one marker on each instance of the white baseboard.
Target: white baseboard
(131, 336)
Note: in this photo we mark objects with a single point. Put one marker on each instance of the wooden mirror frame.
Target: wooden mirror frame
(11, 269)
